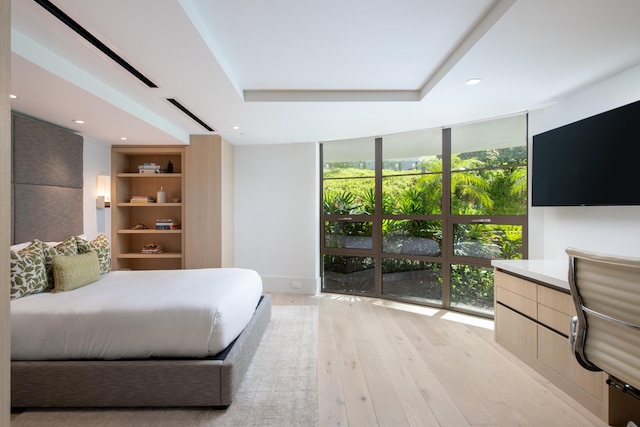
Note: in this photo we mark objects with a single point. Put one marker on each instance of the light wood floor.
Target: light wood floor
(391, 364)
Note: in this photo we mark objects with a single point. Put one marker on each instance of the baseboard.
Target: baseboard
(291, 285)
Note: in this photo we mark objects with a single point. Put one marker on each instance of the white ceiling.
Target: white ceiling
(289, 71)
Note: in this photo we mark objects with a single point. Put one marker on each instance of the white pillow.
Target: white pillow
(19, 246)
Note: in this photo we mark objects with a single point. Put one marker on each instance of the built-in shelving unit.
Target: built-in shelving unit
(127, 241)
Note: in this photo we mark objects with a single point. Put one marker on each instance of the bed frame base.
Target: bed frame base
(139, 383)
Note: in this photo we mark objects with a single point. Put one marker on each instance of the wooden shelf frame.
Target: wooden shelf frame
(127, 182)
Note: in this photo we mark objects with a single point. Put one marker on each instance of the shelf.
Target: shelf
(148, 231)
(126, 243)
(147, 205)
(135, 255)
(148, 175)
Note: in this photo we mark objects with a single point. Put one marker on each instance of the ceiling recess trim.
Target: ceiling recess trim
(493, 14)
(330, 95)
(85, 34)
(484, 24)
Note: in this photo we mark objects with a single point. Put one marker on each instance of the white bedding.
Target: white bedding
(137, 314)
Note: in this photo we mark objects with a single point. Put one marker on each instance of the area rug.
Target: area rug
(279, 389)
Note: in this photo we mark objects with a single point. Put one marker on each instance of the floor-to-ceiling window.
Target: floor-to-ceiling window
(419, 216)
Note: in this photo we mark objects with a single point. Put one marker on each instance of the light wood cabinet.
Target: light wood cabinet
(127, 241)
(209, 189)
(532, 321)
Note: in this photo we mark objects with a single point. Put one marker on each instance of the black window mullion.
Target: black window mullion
(447, 225)
(448, 222)
(377, 217)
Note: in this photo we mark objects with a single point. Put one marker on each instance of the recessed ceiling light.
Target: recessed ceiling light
(473, 81)
(13, 96)
(123, 138)
(80, 122)
(235, 127)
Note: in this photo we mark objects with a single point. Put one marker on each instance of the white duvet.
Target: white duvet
(137, 314)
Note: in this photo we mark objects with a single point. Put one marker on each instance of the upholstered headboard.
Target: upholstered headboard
(46, 181)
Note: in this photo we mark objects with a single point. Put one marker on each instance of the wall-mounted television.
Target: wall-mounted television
(591, 162)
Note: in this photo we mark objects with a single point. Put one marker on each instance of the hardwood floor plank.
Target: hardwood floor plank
(385, 401)
(415, 408)
(393, 364)
(448, 359)
(444, 409)
(332, 410)
(505, 392)
(358, 404)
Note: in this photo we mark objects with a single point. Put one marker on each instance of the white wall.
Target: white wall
(614, 230)
(277, 214)
(97, 161)
(277, 211)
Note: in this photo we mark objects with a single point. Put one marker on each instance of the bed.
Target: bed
(47, 206)
(134, 338)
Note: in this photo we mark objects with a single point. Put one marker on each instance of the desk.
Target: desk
(533, 310)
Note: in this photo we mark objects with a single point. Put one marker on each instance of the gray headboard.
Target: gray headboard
(46, 181)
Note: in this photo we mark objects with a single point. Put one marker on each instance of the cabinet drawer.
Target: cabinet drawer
(554, 319)
(515, 332)
(516, 285)
(516, 301)
(556, 300)
(554, 351)
(555, 309)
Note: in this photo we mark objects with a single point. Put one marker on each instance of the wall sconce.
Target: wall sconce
(103, 191)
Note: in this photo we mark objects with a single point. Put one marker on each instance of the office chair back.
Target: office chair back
(605, 334)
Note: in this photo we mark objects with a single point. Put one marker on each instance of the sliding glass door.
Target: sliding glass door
(348, 214)
(412, 219)
(419, 216)
(488, 212)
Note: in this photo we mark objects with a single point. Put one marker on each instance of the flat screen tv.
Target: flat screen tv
(591, 162)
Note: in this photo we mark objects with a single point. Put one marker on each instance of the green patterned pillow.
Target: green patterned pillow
(100, 245)
(75, 271)
(67, 247)
(28, 274)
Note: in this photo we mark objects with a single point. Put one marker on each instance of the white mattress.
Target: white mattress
(137, 314)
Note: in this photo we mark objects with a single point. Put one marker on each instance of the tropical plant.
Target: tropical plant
(472, 286)
(342, 203)
(518, 181)
(491, 182)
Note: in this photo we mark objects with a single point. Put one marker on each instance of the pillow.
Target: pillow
(28, 274)
(100, 245)
(19, 246)
(52, 249)
(68, 247)
(75, 271)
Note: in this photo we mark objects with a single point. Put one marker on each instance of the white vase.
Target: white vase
(162, 196)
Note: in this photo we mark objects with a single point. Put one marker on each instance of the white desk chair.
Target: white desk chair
(605, 335)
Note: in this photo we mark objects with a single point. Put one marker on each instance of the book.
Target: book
(165, 220)
(142, 199)
(152, 248)
(162, 226)
(151, 168)
(151, 251)
(167, 224)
